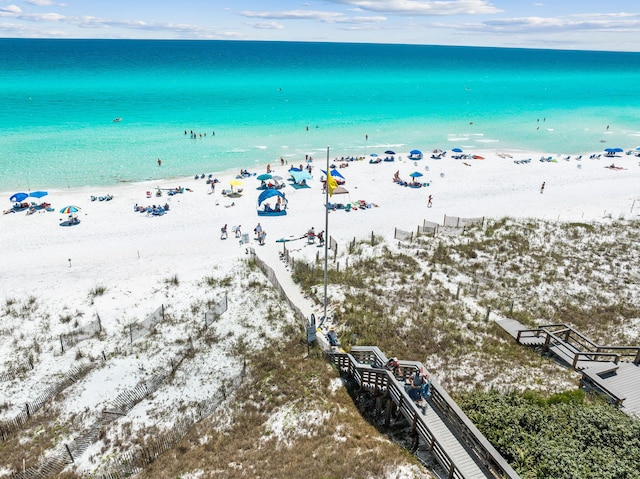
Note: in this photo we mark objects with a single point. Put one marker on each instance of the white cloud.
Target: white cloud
(564, 24)
(11, 9)
(423, 7)
(48, 17)
(328, 17)
(320, 16)
(266, 25)
(40, 3)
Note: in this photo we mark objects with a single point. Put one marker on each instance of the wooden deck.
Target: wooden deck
(612, 370)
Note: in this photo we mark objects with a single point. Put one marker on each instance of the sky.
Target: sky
(556, 24)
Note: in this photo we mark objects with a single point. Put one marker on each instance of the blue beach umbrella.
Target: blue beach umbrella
(373, 154)
(264, 177)
(457, 150)
(415, 174)
(38, 194)
(415, 152)
(17, 197)
(389, 152)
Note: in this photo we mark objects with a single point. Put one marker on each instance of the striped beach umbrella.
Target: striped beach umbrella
(70, 209)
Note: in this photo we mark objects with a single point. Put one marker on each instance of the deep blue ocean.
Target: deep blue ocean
(265, 100)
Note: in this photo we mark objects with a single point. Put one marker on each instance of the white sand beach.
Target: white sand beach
(132, 255)
(113, 242)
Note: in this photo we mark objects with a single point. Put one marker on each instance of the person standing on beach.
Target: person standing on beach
(223, 232)
(542, 187)
(429, 201)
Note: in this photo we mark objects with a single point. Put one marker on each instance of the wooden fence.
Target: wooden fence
(82, 333)
(142, 328)
(217, 310)
(15, 424)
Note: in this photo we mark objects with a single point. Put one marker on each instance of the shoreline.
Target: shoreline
(488, 153)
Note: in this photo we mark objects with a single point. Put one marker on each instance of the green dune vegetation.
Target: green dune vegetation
(434, 299)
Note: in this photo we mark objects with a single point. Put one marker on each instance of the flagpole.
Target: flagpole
(326, 235)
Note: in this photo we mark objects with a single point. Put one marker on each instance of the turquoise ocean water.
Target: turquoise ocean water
(265, 100)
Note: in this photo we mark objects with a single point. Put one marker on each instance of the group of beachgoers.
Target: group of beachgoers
(152, 210)
(312, 236)
(412, 184)
(106, 197)
(30, 208)
(351, 206)
(170, 191)
(194, 135)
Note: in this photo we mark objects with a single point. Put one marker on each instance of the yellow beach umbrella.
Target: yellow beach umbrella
(235, 183)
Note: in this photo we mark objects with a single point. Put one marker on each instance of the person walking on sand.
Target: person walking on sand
(223, 232)
(429, 201)
(542, 187)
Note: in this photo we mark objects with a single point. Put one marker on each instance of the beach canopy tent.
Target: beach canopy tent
(266, 194)
(335, 173)
(18, 197)
(415, 155)
(389, 152)
(340, 190)
(299, 176)
(268, 210)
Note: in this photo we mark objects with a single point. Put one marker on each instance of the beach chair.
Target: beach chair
(311, 238)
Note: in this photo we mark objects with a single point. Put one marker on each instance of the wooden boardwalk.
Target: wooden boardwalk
(459, 447)
(612, 370)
